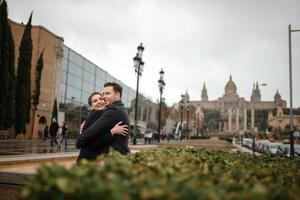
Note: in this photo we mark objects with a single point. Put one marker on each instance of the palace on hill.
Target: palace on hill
(234, 108)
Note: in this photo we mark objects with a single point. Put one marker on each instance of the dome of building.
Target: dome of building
(230, 87)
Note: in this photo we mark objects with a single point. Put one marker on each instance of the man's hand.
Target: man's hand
(119, 129)
(81, 126)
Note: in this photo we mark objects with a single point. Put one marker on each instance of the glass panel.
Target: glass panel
(63, 76)
(84, 98)
(76, 58)
(74, 81)
(90, 67)
(75, 70)
(100, 73)
(73, 93)
(87, 87)
(62, 92)
(88, 77)
(64, 64)
(99, 84)
(66, 52)
(109, 78)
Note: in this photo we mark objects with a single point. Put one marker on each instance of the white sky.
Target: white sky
(194, 41)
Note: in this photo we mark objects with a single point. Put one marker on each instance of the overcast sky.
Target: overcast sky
(194, 41)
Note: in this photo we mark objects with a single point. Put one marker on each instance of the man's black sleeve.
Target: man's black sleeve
(101, 125)
(102, 141)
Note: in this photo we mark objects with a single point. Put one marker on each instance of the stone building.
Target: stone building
(147, 115)
(70, 78)
(280, 121)
(234, 108)
(42, 39)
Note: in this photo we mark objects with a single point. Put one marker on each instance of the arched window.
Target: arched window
(42, 120)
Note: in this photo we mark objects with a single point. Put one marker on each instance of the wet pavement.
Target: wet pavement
(38, 146)
(21, 147)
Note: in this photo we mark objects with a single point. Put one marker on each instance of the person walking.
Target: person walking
(46, 133)
(53, 132)
(64, 133)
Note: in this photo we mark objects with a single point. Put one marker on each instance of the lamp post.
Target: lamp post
(292, 152)
(138, 66)
(187, 118)
(253, 127)
(161, 86)
(181, 114)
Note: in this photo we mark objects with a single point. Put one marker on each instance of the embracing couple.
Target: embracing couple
(107, 124)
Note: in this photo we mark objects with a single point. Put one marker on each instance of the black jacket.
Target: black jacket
(98, 136)
(54, 129)
(87, 152)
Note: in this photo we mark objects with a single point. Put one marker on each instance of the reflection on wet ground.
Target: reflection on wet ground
(21, 147)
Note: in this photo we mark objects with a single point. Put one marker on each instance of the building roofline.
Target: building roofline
(37, 26)
(79, 54)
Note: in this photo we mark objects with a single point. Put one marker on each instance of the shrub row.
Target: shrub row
(170, 173)
(196, 137)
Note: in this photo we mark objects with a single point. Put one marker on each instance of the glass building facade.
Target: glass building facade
(79, 78)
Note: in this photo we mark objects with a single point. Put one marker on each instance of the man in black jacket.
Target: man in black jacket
(98, 135)
(53, 132)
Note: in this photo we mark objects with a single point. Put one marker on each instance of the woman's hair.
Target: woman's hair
(90, 97)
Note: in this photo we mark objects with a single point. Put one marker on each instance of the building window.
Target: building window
(63, 76)
(74, 81)
(75, 70)
(87, 87)
(73, 93)
(76, 58)
(88, 77)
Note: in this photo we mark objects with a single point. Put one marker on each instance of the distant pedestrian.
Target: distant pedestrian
(148, 136)
(64, 133)
(46, 133)
(53, 132)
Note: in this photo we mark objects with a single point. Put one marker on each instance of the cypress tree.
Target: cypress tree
(4, 74)
(36, 92)
(38, 73)
(23, 87)
(54, 111)
(10, 114)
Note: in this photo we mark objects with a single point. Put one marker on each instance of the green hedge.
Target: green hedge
(196, 137)
(228, 138)
(171, 173)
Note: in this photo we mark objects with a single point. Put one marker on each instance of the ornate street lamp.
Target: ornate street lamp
(181, 104)
(292, 151)
(187, 118)
(161, 86)
(139, 67)
(253, 127)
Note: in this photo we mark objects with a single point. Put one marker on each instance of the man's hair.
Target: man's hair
(116, 87)
(90, 97)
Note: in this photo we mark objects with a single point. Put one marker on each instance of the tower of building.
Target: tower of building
(277, 99)
(256, 95)
(204, 96)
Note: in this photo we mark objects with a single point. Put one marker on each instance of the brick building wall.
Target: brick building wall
(50, 79)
